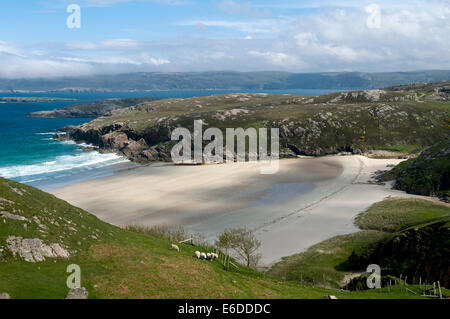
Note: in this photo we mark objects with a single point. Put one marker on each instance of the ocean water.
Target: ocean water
(29, 154)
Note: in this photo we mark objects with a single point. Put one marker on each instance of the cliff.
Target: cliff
(94, 109)
(354, 122)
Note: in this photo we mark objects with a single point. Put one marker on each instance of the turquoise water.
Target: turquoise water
(29, 154)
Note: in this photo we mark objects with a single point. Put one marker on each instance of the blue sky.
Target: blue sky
(187, 35)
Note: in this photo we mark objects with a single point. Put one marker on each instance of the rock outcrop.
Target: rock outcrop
(428, 174)
(5, 295)
(34, 250)
(419, 252)
(120, 139)
(77, 293)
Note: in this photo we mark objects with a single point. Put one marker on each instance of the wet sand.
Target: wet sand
(307, 201)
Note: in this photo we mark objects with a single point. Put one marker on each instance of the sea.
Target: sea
(30, 155)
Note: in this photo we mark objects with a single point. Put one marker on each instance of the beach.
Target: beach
(307, 201)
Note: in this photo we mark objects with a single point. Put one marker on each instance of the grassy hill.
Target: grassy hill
(117, 263)
(419, 229)
(94, 109)
(428, 174)
(354, 122)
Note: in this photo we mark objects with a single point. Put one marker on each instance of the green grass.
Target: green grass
(323, 263)
(396, 214)
(326, 262)
(117, 263)
(404, 149)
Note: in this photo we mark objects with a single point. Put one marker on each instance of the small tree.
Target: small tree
(243, 242)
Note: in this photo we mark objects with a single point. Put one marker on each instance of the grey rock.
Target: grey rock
(34, 250)
(5, 296)
(77, 293)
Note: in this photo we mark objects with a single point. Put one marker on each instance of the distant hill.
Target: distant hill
(223, 80)
(94, 109)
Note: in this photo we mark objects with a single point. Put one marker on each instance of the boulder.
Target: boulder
(77, 293)
(5, 296)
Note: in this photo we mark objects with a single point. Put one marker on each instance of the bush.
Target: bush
(243, 242)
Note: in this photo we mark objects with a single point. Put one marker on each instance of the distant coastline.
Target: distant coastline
(220, 80)
(25, 99)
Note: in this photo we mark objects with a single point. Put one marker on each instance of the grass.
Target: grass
(404, 149)
(322, 263)
(396, 214)
(326, 262)
(118, 263)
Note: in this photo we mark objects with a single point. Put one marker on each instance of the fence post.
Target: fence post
(440, 292)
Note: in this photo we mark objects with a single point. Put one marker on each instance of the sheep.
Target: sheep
(214, 256)
(197, 254)
(202, 256)
(208, 255)
(175, 247)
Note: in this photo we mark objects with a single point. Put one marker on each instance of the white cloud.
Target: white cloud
(103, 3)
(276, 58)
(259, 26)
(106, 44)
(413, 35)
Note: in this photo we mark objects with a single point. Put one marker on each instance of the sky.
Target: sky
(119, 36)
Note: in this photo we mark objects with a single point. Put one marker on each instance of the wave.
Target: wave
(47, 133)
(67, 164)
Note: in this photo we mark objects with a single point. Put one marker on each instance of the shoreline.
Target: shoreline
(309, 200)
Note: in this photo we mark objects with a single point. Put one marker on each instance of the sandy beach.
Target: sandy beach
(307, 201)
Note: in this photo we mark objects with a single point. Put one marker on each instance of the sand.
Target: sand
(307, 201)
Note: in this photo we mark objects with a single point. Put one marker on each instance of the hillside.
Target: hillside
(94, 109)
(404, 236)
(356, 122)
(428, 174)
(48, 234)
(225, 80)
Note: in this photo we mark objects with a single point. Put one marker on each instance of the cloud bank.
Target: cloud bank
(411, 36)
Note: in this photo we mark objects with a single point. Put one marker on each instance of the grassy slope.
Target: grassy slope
(397, 214)
(116, 263)
(428, 174)
(324, 263)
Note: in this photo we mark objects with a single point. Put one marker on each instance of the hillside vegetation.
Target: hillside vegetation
(41, 235)
(404, 236)
(339, 122)
(94, 109)
(428, 174)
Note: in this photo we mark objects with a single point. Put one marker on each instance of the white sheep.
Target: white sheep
(202, 256)
(208, 255)
(175, 247)
(197, 254)
(214, 256)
